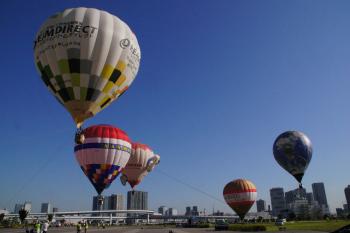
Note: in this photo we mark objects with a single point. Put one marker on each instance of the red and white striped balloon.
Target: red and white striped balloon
(103, 155)
(240, 195)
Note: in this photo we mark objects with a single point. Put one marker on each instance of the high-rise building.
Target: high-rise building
(260, 205)
(195, 211)
(188, 211)
(340, 212)
(46, 208)
(162, 210)
(27, 206)
(172, 212)
(277, 201)
(95, 203)
(116, 202)
(113, 202)
(300, 208)
(54, 209)
(347, 196)
(137, 200)
(320, 196)
(18, 207)
(293, 195)
(319, 193)
(310, 198)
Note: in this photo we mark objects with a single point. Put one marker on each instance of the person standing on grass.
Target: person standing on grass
(45, 227)
(86, 226)
(37, 227)
(78, 227)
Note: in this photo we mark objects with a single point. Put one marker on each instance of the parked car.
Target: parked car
(344, 229)
(221, 224)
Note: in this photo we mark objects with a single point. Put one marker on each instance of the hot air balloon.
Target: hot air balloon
(293, 151)
(87, 58)
(240, 195)
(104, 153)
(141, 162)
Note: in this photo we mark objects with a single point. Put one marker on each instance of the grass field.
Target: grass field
(325, 226)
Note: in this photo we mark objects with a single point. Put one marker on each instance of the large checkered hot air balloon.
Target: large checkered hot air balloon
(104, 153)
(141, 162)
(240, 195)
(87, 58)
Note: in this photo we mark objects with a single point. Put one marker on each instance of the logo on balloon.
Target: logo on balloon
(124, 43)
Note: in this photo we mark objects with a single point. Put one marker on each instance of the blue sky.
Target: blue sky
(218, 82)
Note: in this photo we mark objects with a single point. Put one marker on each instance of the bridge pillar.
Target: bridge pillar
(147, 218)
(110, 219)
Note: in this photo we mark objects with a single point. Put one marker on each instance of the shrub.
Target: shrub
(200, 225)
(234, 227)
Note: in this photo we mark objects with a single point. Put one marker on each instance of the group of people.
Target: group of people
(38, 227)
(82, 225)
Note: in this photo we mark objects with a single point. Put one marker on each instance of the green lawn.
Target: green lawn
(325, 226)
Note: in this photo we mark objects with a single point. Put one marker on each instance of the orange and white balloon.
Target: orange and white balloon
(240, 195)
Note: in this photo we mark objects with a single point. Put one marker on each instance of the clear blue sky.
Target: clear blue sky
(218, 82)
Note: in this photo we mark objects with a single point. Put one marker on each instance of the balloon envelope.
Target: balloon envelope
(87, 58)
(240, 195)
(104, 153)
(293, 152)
(141, 162)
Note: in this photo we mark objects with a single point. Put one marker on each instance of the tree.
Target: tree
(2, 216)
(50, 217)
(291, 216)
(22, 214)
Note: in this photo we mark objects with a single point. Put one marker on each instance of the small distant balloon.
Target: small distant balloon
(240, 195)
(293, 152)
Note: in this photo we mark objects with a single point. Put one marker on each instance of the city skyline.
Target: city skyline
(288, 198)
(218, 82)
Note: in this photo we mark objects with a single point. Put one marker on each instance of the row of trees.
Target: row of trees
(22, 216)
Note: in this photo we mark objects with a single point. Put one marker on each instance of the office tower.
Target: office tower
(320, 196)
(310, 198)
(172, 212)
(113, 202)
(46, 208)
(18, 207)
(137, 200)
(260, 205)
(195, 211)
(293, 195)
(277, 201)
(188, 211)
(347, 196)
(54, 209)
(319, 193)
(116, 202)
(162, 210)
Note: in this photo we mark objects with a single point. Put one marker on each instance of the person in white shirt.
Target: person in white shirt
(45, 227)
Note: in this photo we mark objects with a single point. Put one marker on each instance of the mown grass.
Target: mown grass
(324, 226)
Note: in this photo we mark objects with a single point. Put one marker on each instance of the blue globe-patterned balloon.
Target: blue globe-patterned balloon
(293, 152)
